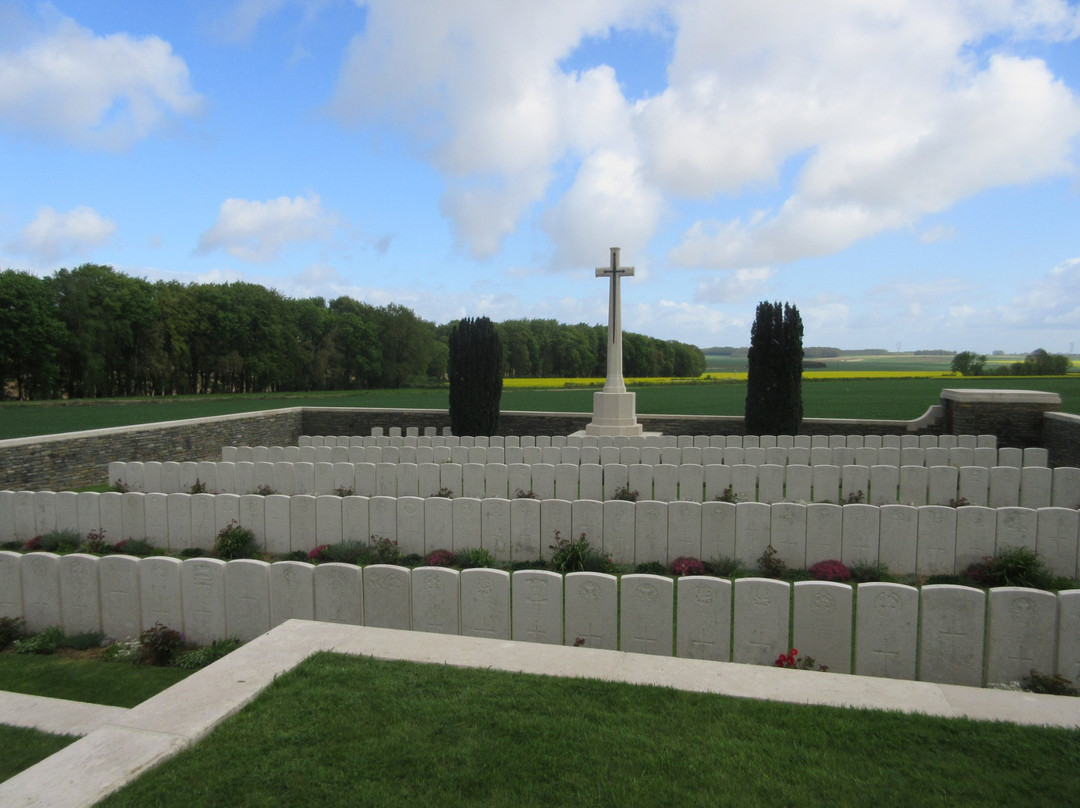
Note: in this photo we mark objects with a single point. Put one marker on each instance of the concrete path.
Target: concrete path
(119, 744)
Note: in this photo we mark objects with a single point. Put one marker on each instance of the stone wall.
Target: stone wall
(1061, 436)
(1015, 416)
(80, 459)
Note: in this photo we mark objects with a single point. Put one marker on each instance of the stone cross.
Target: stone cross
(614, 381)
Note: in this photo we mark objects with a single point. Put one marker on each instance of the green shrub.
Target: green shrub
(197, 487)
(445, 493)
(160, 643)
(520, 493)
(1011, 566)
(570, 555)
(60, 541)
(412, 560)
(350, 551)
(382, 550)
(201, 657)
(265, 491)
(727, 495)
(1056, 685)
(650, 568)
(625, 494)
(345, 491)
(128, 651)
(11, 629)
(44, 642)
(234, 541)
(83, 640)
(95, 543)
(473, 558)
(769, 565)
(725, 567)
(135, 547)
(192, 552)
(864, 572)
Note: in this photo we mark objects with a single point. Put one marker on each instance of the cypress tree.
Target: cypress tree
(774, 382)
(475, 370)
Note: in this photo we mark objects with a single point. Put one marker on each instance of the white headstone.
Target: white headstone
(914, 481)
(744, 482)
(247, 598)
(302, 525)
(467, 535)
(40, 575)
(80, 602)
(899, 534)
(1057, 534)
(860, 535)
(787, 529)
(438, 524)
(537, 606)
(410, 525)
(203, 521)
(278, 517)
(826, 479)
(495, 536)
(1021, 623)
(160, 592)
(936, 552)
(824, 529)
(717, 481)
(822, 623)
(770, 483)
(382, 517)
(886, 630)
(942, 482)
(647, 614)
(203, 585)
(1016, 527)
(1036, 484)
(543, 481)
(338, 593)
(650, 532)
(387, 597)
(10, 584)
(485, 603)
(121, 612)
(951, 624)
(435, 603)
(1068, 635)
(1066, 488)
(525, 530)
(1004, 489)
(684, 530)
(753, 530)
(666, 482)
(45, 512)
(591, 610)
(704, 618)
(761, 620)
(976, 527)
(354, 519)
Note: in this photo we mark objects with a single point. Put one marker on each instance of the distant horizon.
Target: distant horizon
(907, 174)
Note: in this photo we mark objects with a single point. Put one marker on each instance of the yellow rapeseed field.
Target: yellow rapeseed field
(549, 383)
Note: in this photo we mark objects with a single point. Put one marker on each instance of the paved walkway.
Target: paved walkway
(120, 744)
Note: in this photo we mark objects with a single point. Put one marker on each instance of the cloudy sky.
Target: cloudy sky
(904, 171)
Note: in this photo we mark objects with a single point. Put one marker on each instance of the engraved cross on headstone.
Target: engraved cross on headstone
(614, 380)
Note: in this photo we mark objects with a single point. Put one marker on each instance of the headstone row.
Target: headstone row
(986, 457)
(1001, 486)
(942, 633)
(926, 540)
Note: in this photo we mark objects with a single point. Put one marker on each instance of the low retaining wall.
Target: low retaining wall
(946, 634)
(927, 540)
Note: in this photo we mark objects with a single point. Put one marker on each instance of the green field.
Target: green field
(354, 731)
(888, 398)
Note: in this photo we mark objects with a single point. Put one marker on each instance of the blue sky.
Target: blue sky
(905, 172)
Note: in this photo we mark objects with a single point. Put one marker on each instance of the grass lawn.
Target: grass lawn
(63, 677)
(833, 398)
(22, 748)
(352, 731)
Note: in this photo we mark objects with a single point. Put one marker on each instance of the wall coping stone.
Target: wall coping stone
(972, 396)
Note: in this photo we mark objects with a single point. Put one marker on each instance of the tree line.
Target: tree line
(94, 332)
(1037, 363)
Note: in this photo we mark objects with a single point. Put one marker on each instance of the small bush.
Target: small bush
(192, 552)
(959, 502)
(1012, 566)
(789, 660)
(445, 493)
(831, 570)
(83, 640)
(11, 629)
(382, 550)
(650, 568)
(95, 543)
(728, 495)
(197, 487)
(769, 565)
(1056, 685)
(349, 551)
(345, 491)
(265, 491)
(134, 547)
(201, 657)
(439, 558)
(44, 642)
(160, 643)
(318, 554)
(522, 494)
(570, 555)
(865, 572)
(684, 565)
(412, 560)
(473, 558)
(234, 541)
(60, 541)
(854, 498)
(128, 651)
(725, 567)
(120, 487)
(625, 494)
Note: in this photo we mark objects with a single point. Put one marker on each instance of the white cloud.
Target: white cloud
(876, 114)
(940, 232)
(258, 231)
(64, 81)
(53, 235)
(735, 285)
(1051, 302)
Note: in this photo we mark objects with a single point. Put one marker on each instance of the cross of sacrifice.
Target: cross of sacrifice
(614, 380)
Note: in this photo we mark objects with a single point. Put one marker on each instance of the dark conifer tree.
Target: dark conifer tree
(774, 382)
(475, 371)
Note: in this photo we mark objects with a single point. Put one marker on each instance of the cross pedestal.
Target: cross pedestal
(614, 409)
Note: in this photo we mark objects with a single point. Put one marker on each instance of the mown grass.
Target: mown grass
(90, 680)
(834, 398)
(353, 731)
(22, 748)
